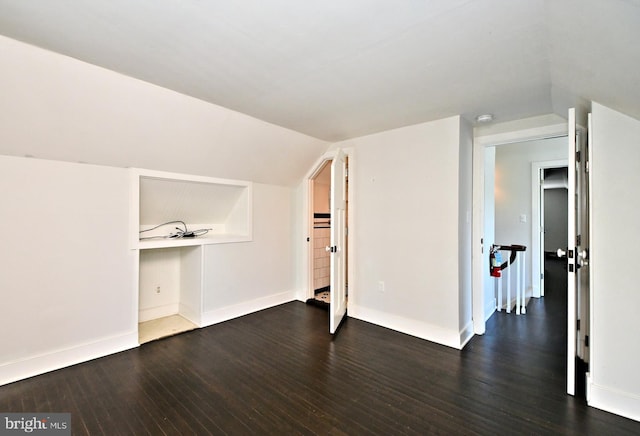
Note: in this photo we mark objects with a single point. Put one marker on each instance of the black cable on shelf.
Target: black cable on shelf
(180, 233)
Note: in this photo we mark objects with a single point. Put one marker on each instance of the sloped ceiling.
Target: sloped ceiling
(340, 69)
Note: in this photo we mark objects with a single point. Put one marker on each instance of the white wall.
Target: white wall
(67, 286)
(56, 107)
(158, 269)
(614, 384)
(408, 226)
(322, 190)
(513, 196)
(248, 276)
(69, 265)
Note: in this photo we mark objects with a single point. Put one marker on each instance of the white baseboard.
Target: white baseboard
(535, 291)
(36, 365)
(489, 309)
(466, 334)
(613, 400)
(190, 314)
(422, 330)
(157, 312)
(234, 311)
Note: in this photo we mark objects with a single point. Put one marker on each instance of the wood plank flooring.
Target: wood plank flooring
(278, 371)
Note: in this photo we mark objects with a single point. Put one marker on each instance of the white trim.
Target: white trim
(613, 400)
(490, 308)
(536, 241)
(466, 334)
(419, 329)
(246, 307)
(533, 134)
(189, 313)
(590, 329)
(479, 144)
(477, 238)
(158, 312)
(51, 361)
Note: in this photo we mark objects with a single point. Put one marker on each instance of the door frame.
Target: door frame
(479, 267)
(537, 262)
(307, 219)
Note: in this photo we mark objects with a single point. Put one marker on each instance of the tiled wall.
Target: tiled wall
(321, 257)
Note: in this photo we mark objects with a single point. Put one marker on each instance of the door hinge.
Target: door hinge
(586, 340)
(578, 324)
(541, 276)
(578, 156)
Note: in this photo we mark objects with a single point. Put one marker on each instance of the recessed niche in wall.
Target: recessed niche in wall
(170, 275)
(170, 291)
(220, 206)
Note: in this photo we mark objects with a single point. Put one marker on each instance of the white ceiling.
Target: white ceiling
(339, 69)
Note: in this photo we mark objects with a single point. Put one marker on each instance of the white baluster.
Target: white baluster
(508, 285)
(524, 271)
(517, 265)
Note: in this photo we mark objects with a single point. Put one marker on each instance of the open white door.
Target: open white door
(540, 194)
(576, 252)
(338, 290)
(583, 230)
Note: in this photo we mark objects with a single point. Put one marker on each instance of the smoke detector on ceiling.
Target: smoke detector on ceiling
(484, 118)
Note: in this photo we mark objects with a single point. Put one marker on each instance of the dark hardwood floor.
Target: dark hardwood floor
(279, 372)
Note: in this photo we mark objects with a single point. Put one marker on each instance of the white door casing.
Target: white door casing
(569, 253)
(338, 304)
(577, 240)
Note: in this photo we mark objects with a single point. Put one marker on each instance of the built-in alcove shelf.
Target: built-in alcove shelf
(170, 270)
(221, 205)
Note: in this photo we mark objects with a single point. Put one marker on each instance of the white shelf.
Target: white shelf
(223, 205)
(187, 242)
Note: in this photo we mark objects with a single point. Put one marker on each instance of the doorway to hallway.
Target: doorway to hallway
(519, 209)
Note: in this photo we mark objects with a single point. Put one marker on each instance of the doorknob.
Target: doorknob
(583, 257)
(562, 253)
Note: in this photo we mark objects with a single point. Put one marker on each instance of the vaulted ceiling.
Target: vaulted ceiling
(340, 69)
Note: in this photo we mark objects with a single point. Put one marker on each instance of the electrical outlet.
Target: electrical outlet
(157, 289)
(381, 286)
